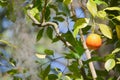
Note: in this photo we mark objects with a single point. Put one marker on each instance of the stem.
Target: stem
(35, 21)
(93, 27)
(118, 78)
(55, 26)
(88, 55)
(43, 12)
(117, 62)
(82, 70)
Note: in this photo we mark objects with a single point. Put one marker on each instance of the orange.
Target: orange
(93, 41)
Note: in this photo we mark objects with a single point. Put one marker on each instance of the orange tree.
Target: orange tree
(102, 17)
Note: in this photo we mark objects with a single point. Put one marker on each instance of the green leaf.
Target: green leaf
(92, 7)
(106, 30)
(3, 3)
(59, 1)
(40, 49)
(11, 10)
(55, 39)
(118, 59)
(47, 14)
(112, 8)
(75, 43)
(118, 31)
(109, 56)
(74, 68)
(50, 32)
(61, 13)
(49, 52)
(102, 73)
(80, 78)
(86, 29)
(75, 32)
(38, 4)
(64, 8)
(66, 78)
(80, 23)
(99, 2)
(118, 18)
(34, 11)
(67, 1)
(41, 56)
(12, 71)
(101, 14)
(46, 72)
(61, 19)
(116, 50)
(95, 58)
(59, 75)
(109, 64)
(52, 77)
(69, 37)
(54, 7)
(72, 55)
(79, 49)
(37, 16)
(8, 43)
(111, 78)
(39, 35)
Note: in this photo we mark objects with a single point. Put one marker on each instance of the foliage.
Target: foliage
(102, 17)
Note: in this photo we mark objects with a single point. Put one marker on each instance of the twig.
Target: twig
(44, 24)
(82, 69)
(88, 55)
(43, 12)
(80, 61)
(58, 34)
(55, 26)
(32, 18)
(118, 78)
(82, 6)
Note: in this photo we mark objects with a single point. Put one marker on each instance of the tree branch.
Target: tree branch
(82, 6)
(80, 61)
(32, 18)
(55, 26)
(118, 78)
(43, 12)
(88, 55)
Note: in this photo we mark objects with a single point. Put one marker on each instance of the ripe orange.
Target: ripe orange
(93, 41)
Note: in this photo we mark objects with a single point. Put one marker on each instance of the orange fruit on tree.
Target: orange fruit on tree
(93, 41)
